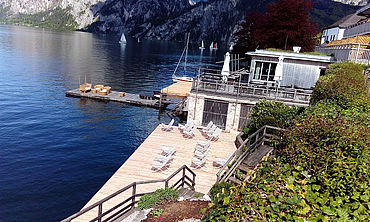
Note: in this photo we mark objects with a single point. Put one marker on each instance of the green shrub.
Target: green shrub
(322, 168)
(272, 113)
(344, 85)
(150, 200)
(220, 190)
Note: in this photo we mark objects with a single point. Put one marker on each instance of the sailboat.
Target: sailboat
(211, 46)
(202, 46)
(138, 39)
(123, 39)
(185, 77)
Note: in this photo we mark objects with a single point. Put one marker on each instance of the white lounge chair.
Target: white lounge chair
(168, 127)
(198, 163)
(214, 136)
(158, 166)
(220, 162)
(208, 127)
(161, 158)
(204, 143)
(189, 133)
(187, 126)
(211, 130)
(168, 150)
(200, 154)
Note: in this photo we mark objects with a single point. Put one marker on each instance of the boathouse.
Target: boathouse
(273, 75)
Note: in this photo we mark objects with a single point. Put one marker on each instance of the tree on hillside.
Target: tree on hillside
(284, 25)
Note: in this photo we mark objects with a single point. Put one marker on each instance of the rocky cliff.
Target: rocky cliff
(213, 20)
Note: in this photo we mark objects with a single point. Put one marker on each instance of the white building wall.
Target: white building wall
(195, 113)
(331, 34)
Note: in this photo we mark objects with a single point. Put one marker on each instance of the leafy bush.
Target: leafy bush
(322, 168)
(220, 190)
(272, 113)
(160, 195)
(343, 84)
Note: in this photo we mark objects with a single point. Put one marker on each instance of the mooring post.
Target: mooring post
(160, 101)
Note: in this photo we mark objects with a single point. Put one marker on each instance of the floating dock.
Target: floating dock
(139, 166)
(133, 99)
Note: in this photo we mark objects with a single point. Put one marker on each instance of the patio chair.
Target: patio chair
(168, 150)
(169, 126)
(198, 163)
(220, 162)
(187, 126)
(158, 166)
(189, 133)
(208, 127)
(214, 136)
(201, 155)
(211, 130)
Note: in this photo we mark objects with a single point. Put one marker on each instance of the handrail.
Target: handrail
(184, 180)
(284, 94)
(238, 156)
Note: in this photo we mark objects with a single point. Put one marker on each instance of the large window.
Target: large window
(215, 111)
(264, 71)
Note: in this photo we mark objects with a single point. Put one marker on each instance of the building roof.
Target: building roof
(291, 55)
(364, 11)
(347, 21)
(362, 39)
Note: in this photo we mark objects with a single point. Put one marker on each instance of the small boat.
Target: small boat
(202, 46)
(123, 39)
(215, 46)
(211, 46)
(186, 76)
(138, 39)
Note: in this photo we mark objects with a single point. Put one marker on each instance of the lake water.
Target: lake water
(55, 151)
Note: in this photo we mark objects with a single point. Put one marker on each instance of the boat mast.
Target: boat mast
(186, 53)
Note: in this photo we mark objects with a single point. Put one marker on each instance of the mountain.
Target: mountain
(212, 20)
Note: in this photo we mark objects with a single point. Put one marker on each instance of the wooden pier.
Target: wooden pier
(139, 166)
(133, 99)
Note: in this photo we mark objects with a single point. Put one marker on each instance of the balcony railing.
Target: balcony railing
(358, 53)
(246, 90)
(357, 29)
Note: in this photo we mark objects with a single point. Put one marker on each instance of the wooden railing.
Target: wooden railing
(126, 205)
(250, 90)
(266, 134)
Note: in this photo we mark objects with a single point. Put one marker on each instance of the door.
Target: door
(215, 111)
(245, 110)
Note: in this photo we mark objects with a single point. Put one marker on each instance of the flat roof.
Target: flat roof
(291, 55)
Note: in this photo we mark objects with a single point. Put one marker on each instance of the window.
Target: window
(215, 111)
(264, 71)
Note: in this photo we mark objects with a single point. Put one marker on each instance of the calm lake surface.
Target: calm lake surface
(56, 152)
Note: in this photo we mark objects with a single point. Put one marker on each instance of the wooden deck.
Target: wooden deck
(139, 166)
(178, 90)
(133, 99)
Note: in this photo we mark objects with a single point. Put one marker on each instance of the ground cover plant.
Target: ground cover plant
(149, 200)
(321, 169)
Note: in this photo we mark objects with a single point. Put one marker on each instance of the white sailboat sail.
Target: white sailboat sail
(211, 46)
(123, 38)
(202, 46)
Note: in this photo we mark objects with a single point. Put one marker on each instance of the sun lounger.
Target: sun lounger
(208, 127)
(167, 150)
(187, 126)
(198, 163)
(201, 155)
(211, 130)
(220, 162)
(204, 143)
(168, 127)
(214, 136)
(189, 133)
(158, 166)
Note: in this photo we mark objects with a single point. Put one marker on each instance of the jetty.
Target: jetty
(129, 98)
(139, 166)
